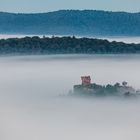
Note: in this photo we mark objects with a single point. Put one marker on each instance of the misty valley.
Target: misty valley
(31, 106)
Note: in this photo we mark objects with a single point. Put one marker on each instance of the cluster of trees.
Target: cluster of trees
(101, 90)
(72, 22)
(64, 45)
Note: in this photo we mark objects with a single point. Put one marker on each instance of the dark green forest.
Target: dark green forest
(64, 45)
(72, 22)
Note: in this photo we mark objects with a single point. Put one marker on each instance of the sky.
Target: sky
(37, 6)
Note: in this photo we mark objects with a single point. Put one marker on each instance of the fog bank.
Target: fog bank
(31, 108)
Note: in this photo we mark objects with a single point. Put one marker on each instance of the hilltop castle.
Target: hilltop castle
(93, 89)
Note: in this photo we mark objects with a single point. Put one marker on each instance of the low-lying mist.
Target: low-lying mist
(31, 108)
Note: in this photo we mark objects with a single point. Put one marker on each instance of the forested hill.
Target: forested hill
(72, 22)
(64, 45)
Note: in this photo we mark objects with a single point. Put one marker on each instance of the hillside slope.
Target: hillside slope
(72, 22)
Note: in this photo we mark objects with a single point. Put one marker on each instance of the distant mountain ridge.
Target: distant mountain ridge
(72, 22)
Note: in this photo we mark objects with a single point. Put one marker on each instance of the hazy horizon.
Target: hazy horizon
(41, 12)
(39, 6)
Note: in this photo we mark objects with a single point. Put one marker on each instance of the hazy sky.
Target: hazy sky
(51, 5)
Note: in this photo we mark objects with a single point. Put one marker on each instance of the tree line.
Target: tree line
(65, 45)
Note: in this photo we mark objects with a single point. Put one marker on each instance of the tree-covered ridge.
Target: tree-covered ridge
(72, 22)
(64, 45)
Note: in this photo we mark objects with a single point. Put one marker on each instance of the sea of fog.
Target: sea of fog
(110, 38)
(31, 107)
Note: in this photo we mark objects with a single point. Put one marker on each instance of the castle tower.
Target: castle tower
(86, 80)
